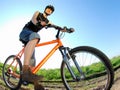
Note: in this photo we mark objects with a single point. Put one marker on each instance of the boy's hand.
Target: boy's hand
(64, 29)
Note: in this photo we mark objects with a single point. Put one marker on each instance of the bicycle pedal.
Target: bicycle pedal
(7, 74)
(25, 83)
(78, 78)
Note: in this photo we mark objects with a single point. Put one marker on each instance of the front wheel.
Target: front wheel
(93, 72)
(12, 72)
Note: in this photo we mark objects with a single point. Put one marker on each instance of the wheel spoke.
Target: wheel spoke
(95, 72)
(11, 72)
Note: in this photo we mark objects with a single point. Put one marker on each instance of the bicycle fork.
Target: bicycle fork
(66, 56)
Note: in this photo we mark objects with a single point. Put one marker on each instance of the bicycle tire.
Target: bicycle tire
(11, 74)
(95, 78)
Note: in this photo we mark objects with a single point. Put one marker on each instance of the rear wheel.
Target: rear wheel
(96, 70)
(12, 72)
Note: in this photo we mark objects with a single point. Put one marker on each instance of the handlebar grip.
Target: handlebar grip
(70, 30)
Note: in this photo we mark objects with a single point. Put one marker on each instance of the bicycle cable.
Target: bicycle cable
(62, 34)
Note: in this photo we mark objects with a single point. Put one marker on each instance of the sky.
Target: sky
(96, 24)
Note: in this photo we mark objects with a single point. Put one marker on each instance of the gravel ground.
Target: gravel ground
(115, 86)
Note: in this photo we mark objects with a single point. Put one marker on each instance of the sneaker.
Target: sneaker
(28, 76)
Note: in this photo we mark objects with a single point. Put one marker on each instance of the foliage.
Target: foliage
(115, 61)
(1, 65)
(50, 74)
(54, 74)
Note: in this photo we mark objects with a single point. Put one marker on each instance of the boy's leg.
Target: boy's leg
(33, 61)
(29, 51)
(27, 73)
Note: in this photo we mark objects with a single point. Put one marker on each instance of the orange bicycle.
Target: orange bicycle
(83, 67)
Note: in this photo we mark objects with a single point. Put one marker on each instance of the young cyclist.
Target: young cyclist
(30, 38)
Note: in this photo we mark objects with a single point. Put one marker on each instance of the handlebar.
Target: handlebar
(68, 30)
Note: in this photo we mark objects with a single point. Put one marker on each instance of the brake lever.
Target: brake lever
(71, 30)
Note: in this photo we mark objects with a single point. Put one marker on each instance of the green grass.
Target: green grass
(115, 61)
(54, 74)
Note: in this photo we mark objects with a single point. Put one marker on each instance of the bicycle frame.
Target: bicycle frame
(41, 63)
(72, 64)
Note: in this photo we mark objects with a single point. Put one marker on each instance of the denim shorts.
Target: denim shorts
(26, 35)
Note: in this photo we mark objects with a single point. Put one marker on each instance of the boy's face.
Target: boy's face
(48, 11)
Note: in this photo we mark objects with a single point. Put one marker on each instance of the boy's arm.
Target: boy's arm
(34, 18)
